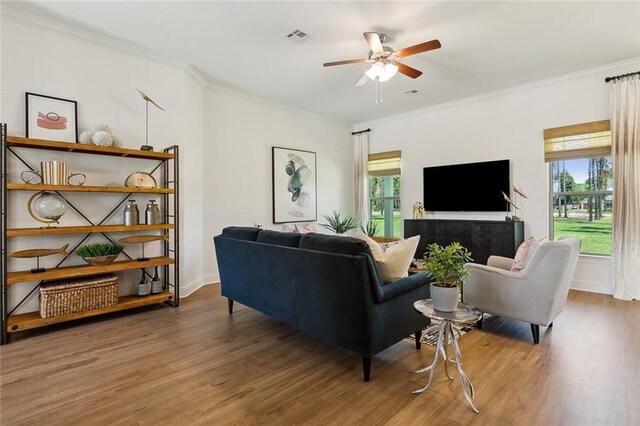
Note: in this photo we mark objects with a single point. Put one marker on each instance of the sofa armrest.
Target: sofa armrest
(500, 262)
(404, 285)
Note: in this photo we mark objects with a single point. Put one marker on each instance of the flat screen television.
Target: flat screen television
(470, 187)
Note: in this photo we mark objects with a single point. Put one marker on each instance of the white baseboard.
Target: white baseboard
(187, 290)
(592, 286)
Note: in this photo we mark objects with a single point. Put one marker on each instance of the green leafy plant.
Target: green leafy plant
(371, 229)
(447, 264)
(339, 224)
(99, 249)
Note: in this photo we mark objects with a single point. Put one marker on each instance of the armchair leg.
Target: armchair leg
(366, 368)
(479, 322)
(535, 330)
(418, 336)
(230, 305)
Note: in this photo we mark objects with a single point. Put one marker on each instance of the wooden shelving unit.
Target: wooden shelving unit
(12, 323)
(14, 141)
(61, 230)
(69, 188)
(82, 270)
(31, 320)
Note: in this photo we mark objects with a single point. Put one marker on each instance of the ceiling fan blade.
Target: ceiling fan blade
(350, 61)
(363, 80)
(374, 42)
(407, 70)
(418, 48)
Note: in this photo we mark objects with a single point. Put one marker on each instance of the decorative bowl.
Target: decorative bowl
(100, 260)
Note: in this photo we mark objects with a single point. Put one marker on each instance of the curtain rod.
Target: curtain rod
(360, 131)
(616, 77)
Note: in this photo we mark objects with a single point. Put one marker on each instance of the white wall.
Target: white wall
(225, 140)
(239, 132)
(102, 79)
(504, 125)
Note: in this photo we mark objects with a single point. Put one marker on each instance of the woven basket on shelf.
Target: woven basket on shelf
(77, 295)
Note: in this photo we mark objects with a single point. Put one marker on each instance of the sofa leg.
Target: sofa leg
(479, 322)
(418, 336)
(230, 305)
(366, 368)
(551, 325)
(535, 330)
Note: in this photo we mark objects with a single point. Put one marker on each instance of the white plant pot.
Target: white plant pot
(445, 299)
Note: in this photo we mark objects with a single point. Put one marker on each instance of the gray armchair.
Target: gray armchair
(536, 295)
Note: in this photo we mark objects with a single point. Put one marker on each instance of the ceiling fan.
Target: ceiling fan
(384, 59)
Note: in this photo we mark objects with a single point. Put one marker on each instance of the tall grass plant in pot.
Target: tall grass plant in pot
(447, 266)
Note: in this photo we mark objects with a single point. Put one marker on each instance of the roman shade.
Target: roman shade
(586, 140)
(384, 163)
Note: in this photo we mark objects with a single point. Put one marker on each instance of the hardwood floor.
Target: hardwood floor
(198, 365)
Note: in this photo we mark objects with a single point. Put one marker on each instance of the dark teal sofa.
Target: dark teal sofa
(326, 286)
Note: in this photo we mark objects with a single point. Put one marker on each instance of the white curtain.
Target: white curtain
(625, 134)
(361, 177)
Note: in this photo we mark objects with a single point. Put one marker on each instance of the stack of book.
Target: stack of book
(54, 173)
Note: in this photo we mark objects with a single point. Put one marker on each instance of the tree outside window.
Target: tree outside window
(582, 202)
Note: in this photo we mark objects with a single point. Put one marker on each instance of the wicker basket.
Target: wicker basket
(77, 295)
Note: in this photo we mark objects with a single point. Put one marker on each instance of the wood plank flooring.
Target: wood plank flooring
(198, 365)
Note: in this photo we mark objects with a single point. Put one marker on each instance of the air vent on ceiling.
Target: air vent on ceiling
(410, 92)
(297, 35)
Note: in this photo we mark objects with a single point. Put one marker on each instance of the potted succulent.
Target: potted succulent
(339, 224)
(447, 266)
(100, 254)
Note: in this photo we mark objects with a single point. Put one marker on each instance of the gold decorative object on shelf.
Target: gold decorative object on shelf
(418, 211)
(49, 207)
(143, 239)
(513, 203)
(140, 180)
(38, 253)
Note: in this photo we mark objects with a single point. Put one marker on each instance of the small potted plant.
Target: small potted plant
(447, 266)
(339, 224)
(100, 254)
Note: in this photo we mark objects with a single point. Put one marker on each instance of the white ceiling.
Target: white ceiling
(486, 46)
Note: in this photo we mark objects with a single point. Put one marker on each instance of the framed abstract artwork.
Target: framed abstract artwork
(51, 118)
(294, 185)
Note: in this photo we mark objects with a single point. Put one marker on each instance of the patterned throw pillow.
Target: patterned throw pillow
(525, 253)
(394, 261)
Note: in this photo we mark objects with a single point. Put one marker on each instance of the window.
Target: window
(384, 193)
(581, 177)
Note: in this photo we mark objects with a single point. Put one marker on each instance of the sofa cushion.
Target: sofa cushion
(394, 260)
(286, 239)
(334, 244)
(241, 233)
(524, 254)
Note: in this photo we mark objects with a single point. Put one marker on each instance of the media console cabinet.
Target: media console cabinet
(483, 238)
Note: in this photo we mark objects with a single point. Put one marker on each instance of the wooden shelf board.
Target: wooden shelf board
(86, 149)
(60, 230)
(82, 270)
(85, 188)
(31, 320)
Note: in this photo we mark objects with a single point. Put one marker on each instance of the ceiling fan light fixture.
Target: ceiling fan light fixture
(382, 71)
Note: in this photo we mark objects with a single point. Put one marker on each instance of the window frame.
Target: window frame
(393, 199)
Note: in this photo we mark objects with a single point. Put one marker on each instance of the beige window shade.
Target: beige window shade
(384, 163)
(586, 140)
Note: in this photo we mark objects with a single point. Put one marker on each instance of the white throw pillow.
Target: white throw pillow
(525, 253)
(393, 262)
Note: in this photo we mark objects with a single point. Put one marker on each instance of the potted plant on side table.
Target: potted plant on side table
(447, 266)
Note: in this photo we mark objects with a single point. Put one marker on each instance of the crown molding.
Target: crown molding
(17, 16)
(590, 71)
(214, 87)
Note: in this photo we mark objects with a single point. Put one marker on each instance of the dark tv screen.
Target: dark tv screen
(471, 187)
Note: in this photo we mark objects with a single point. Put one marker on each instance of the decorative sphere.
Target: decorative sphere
(50, 206)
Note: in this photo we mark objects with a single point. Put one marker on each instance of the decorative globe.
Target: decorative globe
(50, 206)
